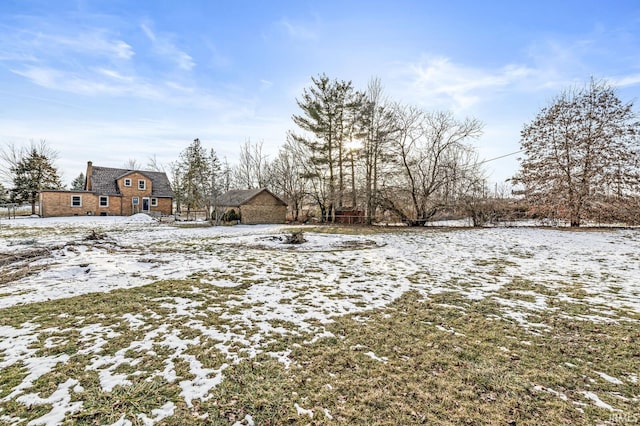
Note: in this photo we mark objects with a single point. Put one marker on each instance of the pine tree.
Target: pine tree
(194, 170)
(329, 110)
(78, 182)
(33, 173)
(4, 194)
(215, 184)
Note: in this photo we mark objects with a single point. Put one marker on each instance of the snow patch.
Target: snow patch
(60, 400)
(373, 356)
(609, 379)
(199, 387)
(560, 395)
(303, 411)
(247, 421)
(599, 403)
(158, 414)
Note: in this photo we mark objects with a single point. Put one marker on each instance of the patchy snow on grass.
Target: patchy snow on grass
(17, 346)
(158, 414)
(60, 401)
(599, 403)
(609, 379)
(199, 387)
(374, 357)
(560, 395)
(286, 290)
(303, 411)
(247, 421)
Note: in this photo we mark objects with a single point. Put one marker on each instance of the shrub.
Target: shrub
(231, 216)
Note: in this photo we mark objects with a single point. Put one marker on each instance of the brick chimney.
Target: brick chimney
(87, 185)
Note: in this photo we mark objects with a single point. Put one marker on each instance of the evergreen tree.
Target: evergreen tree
(195, 174)
(78, 182)
(215, 184)
(33, 173)
(329, 110)
(4, 194)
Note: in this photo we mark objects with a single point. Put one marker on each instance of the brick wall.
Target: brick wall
(165, 206)
(58, 203)
(263, 209)
(128, 192)
(254, 214)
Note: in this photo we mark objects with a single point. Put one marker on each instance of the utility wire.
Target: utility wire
(502, 156)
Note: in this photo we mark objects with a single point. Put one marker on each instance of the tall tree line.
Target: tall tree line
(359, 150)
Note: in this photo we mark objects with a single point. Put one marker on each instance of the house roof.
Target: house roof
(104, 181)
(238, 197)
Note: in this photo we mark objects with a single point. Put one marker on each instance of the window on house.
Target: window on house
(154, 202)
(135, 201)
(127, 182)
(104, 201)
(76, 201)
(142, 184)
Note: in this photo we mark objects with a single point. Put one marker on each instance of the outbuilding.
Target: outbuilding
(254, 206)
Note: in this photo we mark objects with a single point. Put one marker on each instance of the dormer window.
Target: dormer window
(127, 182)
(142, 184)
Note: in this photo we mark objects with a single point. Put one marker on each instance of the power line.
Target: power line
(502, 156)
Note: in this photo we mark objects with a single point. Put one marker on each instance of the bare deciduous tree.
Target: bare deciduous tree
(580, 151)
(251, 170)
(431, 151)
(154, 165)
(288, 177)
(377, 128)
(132, 164)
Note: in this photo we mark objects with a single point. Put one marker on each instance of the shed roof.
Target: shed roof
(104, 181)
(238, 197)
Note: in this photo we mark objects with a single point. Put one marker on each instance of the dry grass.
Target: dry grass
(440, 360)
(527, 353)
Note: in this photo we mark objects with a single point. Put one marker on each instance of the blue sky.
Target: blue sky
(109, 81)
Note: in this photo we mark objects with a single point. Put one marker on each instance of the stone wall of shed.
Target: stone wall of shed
(256, 214)
(263, 208)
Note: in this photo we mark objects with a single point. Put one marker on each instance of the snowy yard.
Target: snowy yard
(156, 324)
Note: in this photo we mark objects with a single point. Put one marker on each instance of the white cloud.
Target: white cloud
(217, 59)
(91, 83)
(164, 46)
(49, 45)
(122, 49)
(114, 74)
(265, 84)
(441, 80)
(627, 80)
(297, 30)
